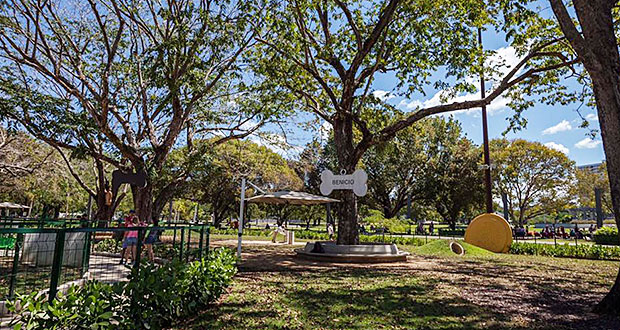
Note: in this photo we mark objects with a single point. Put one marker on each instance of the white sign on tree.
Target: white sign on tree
(355, 182)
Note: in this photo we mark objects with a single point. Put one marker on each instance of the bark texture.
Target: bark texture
(597, 48)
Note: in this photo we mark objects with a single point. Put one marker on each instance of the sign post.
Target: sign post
(241, 217)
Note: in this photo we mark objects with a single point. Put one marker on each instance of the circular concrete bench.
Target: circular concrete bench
(362, 253)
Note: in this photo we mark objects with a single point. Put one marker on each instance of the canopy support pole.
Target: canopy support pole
(241, 206)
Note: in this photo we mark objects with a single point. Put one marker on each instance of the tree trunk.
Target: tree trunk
(347, 211)
(104, 213)
(598, 49)
(347, 219)
(607, 92)
(143, 202)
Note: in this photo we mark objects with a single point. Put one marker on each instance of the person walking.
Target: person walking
(330, 231)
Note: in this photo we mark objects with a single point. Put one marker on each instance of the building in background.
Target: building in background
(594, 168)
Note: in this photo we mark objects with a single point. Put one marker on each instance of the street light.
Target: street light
(485, 135)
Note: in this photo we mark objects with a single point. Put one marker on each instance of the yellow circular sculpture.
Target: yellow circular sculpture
(489, 231)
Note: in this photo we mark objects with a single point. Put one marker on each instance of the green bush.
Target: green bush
(155, 297)
(107, 245)
(449, 232)
(312, 235)
(7, 242)
(92, 306)
(392, 239)
(393, 225)
(581, 251)
(606, 236)
(247, 232)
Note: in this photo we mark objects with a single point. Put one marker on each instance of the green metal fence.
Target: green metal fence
(50, 259)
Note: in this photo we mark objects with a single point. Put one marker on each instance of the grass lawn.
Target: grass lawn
(274, 290)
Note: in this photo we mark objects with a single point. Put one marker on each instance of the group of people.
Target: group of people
(130, 238)
(557, 232)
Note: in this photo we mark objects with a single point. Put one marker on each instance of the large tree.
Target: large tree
(216, 175)
(128, 80)
(453, 179)
(430, 163)
(34, 174)
(536, 179)
(592, 35)
(329, 53)
(586, 182)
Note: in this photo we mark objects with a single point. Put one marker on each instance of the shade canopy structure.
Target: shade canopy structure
(9, 205)
(291, 198)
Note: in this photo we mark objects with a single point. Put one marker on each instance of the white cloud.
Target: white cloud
(587, 143)
(562, 126)
(382, 95)
(277, 143)
(325, 130)
(503, 60)
(558, 146)
(591, 117)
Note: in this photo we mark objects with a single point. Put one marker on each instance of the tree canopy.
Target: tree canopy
(535, 178)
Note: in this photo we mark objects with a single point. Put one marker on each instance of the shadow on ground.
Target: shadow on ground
(274, 290)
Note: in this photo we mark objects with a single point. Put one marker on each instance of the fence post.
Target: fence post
(138, 255)
(18, 240)
(86, 252)
(174, 236)
(59, 249)
(202, 236)
(189, 243)
(181, 246)
(208, 240)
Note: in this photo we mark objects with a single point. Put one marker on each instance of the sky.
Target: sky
(555, 126)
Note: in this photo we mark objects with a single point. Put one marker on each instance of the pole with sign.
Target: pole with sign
(241, 218)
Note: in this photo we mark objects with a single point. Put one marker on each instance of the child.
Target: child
(150, 239)
(131, 240)
(123, 235)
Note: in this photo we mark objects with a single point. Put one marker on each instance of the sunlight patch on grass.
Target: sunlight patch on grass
(441, 247)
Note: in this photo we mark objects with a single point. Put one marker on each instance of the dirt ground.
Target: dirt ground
(504, 291)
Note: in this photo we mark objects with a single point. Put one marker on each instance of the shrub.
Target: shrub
(154, 298)
(107, 245)
(393, 225)
(581, 251)
(92, 306)
(392, 239)
(451, 232)
(606, 236)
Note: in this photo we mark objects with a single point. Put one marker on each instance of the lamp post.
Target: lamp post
(241, 209)
(485, 136)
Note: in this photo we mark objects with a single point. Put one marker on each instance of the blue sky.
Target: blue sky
(555, 126)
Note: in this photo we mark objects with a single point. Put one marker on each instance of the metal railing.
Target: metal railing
(50, 259)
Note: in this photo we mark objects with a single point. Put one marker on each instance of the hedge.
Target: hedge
(581, 251)
(450, 232)
(606, 236)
